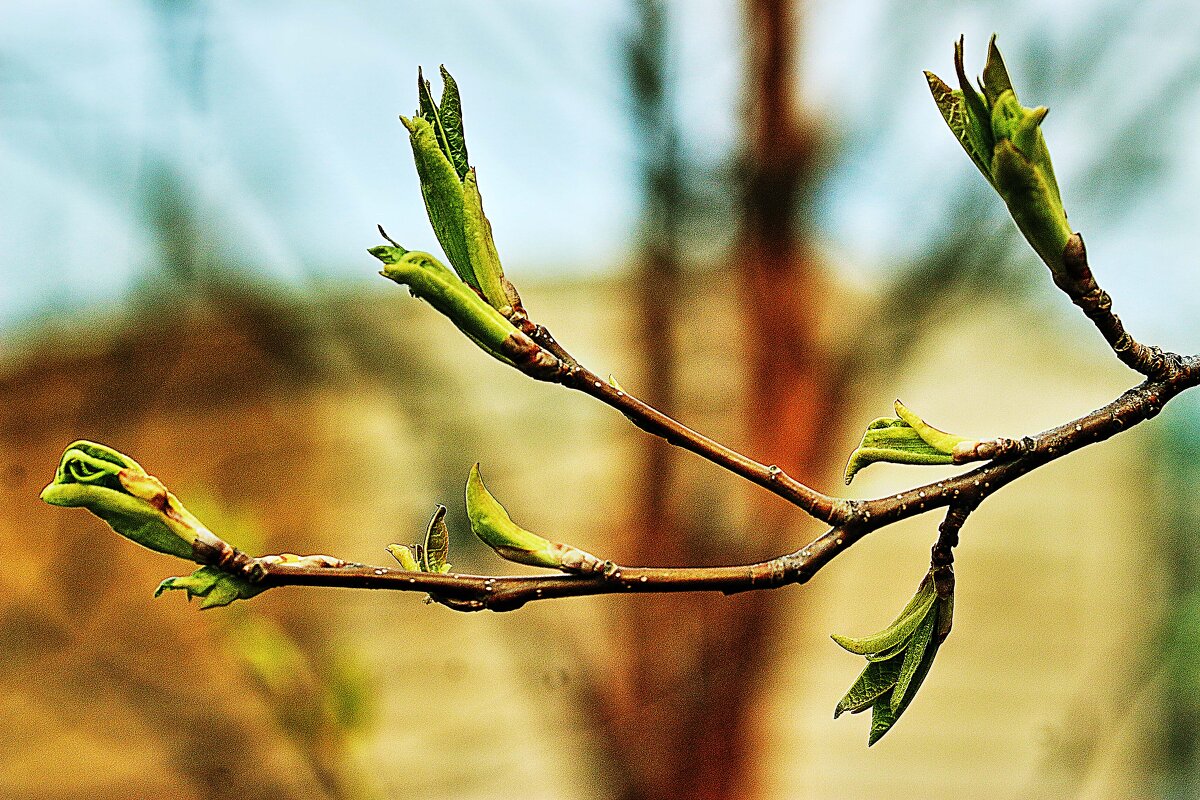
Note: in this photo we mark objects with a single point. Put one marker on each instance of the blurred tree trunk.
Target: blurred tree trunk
(684, 685)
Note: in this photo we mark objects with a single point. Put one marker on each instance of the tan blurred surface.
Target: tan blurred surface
(334, 425)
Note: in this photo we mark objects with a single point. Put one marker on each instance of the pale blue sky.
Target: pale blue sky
(291, 152)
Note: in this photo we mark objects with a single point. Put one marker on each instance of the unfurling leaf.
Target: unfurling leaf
(913, 654)
(215, 586)
(450, 188)
(436, 549)
(903, 439)
(898, 658)
(481, 248)
(431, 555)
(430, 280)
(443, 193)
(491, 523)
(450, 111)
(954, 110)
(404, 555)
(1004, 139)
(134, 503)
(890, 439)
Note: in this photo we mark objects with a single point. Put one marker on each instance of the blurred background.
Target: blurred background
(752, 214)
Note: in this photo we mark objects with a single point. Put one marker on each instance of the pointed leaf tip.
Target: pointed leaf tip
(995, 75)
(876, 679)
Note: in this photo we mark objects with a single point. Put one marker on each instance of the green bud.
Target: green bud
(903, 439)
(215, 586)
(388, 254)
(134, 503)
(1032, 199)
(495, 527)
(1004, 140)
(491, 523)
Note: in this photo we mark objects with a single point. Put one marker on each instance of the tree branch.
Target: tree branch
(962, 494)
(828, 509)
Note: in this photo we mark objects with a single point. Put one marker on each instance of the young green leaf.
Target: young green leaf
(442, 190)
(937, 439)
(904, 439)
(481, 247)
(914, 654)
(884, 713)
(891, 440)
(450, 113)
(898, 659)
(428, 111)
(877, 678)
(404, 555)
(977, 109)
(882, 719)
(430, 280)
(901, 629)
(884, 655)
(436, 550)
(954, 111)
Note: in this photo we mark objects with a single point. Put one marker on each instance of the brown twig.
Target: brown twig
(828, 509)
(1077, 281)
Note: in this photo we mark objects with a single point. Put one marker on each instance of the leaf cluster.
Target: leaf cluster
(898, 659)
(1004, 140)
